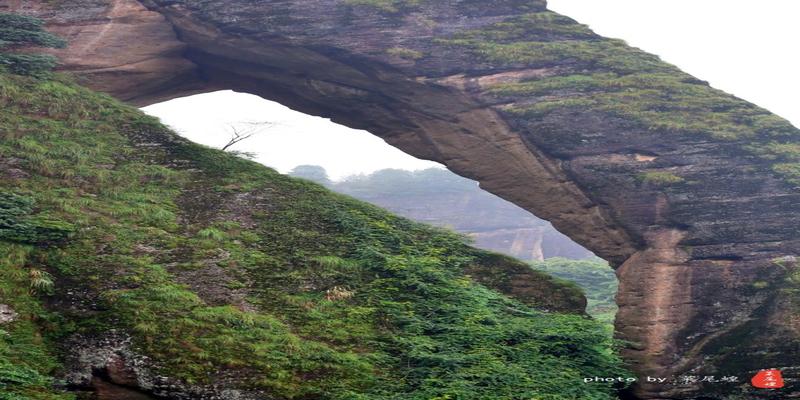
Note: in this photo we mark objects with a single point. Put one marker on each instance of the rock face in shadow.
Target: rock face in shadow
(691, 192)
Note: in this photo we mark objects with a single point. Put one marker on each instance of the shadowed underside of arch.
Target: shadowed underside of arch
(689, 192)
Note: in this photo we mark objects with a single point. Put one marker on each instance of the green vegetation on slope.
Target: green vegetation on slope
(595, 277)
(20, 31)
(18, 225)
(26, 360)
(215, 263)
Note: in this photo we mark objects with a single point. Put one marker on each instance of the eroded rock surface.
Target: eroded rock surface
(689, 191)
(7, 314)
(114, 371)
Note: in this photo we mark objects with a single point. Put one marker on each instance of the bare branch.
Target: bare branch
(240, 134)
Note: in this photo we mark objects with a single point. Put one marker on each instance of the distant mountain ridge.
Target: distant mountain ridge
(440, 197)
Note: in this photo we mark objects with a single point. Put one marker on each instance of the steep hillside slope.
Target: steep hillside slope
(133, 257)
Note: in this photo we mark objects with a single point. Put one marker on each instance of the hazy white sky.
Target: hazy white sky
(294, 139)
(746, 48)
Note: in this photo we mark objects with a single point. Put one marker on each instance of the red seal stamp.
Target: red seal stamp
(768, 379)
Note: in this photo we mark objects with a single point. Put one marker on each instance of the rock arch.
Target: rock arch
(677, 184)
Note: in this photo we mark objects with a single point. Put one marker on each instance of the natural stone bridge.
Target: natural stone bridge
(689, 192)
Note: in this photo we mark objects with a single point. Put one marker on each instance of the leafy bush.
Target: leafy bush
(211, 233)
(41, 281)
(404, 53)
(18, 31)
(660, 178)
(595, 277)
(19, 225)
(26, 360)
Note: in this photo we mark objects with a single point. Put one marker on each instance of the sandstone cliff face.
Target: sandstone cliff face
(119, 47)
(689, 191)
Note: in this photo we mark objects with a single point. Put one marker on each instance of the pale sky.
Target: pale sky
(294, 139)
(746, 48)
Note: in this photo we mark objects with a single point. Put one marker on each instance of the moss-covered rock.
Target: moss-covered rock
(215, 265)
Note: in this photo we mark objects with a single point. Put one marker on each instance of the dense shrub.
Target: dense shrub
(18, 224)
(18, 31)
(595, 277)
